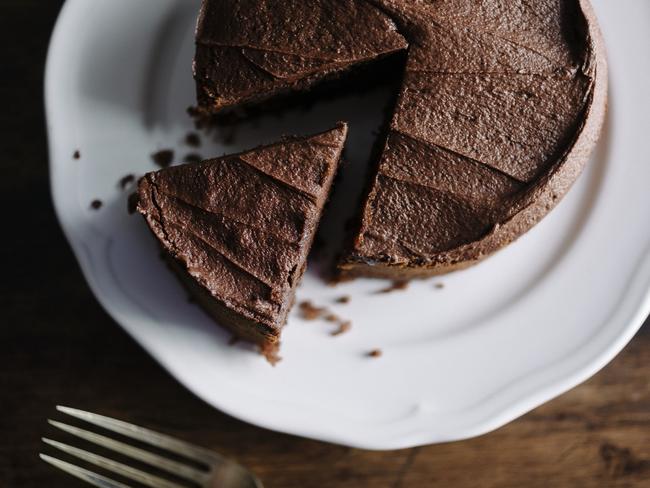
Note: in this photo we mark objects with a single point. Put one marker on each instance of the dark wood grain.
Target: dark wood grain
(57, 346)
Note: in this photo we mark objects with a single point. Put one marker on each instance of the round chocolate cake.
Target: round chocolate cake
(500, 104)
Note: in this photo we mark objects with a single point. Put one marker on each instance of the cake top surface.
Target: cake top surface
(241, 224)
(249, 49)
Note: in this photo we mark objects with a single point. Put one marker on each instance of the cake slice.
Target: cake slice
(237, 229)
(250, 50)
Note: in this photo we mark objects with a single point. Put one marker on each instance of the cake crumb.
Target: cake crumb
(270, 352)
(192, 139)
(439, 286)
(163, 158)
(310, 311)
(132, 203)
(126, 180)
(96, 204)
(395, 286)
(343, 299)
(76, 154)
(332, 317)
(192, 158)
(343, 328)
(196, 116)
(375, 353)
(335, 279)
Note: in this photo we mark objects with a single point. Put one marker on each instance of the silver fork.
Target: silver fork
(220, 473)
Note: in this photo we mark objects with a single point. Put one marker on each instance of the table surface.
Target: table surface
(57, 346)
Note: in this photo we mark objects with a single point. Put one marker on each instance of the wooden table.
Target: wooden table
(57, 346)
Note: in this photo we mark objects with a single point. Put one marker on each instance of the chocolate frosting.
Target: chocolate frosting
(500, 103)
(249, 50)
(241, 225)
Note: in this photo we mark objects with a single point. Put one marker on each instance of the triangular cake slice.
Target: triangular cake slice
(237, 229)
(251, 50)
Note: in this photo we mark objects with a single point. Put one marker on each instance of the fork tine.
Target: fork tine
(83, 474)
(163, 441)
(110, 465)
(168, 465)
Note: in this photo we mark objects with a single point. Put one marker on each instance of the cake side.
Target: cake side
(473, 160)
(237, 229)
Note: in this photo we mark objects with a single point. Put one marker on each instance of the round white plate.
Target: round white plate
(499, 339)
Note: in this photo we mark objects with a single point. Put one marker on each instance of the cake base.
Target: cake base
(350, 271)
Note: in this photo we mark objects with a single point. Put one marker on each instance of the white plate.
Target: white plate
(500, 338)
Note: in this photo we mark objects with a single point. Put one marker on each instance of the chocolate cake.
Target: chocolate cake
(237, 229)
(501, 102)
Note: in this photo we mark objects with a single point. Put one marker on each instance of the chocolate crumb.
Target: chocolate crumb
(76, 154)
(439, 286)
(375, 353)
(331, 317)
(272, 355)
(126, 180)
(343, 328)
(335, 280)
(132, 203)
(394, 286)
(96, 204)
(233, 340)
(163, 158)
(343, 299)
(310, 311)
(192, 158)
(192, 139)
(201, 121)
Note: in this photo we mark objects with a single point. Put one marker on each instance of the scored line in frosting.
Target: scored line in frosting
(225, 216)
(459, 154)
(229, 259)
